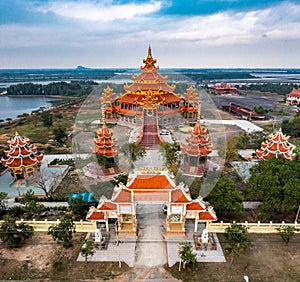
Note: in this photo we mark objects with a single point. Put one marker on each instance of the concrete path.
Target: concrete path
(243, 124)
(150, 246)
(151, 160)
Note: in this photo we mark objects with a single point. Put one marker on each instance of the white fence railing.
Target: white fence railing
(258, 227)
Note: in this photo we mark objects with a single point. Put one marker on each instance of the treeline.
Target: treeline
(203, 77)
(279, 88)
(291, 127)
(74, 88)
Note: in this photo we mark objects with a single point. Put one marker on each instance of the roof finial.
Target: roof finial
(149, 51)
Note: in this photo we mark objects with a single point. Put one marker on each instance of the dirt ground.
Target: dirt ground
(34, 260)
(267, 259)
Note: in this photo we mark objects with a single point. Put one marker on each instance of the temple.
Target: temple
(22, 159)
(106, 149)
(150, 101)
(196, 150)
(277, 146)
(293, 98)
(148, 186)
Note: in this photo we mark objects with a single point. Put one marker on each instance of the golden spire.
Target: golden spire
(149, 52)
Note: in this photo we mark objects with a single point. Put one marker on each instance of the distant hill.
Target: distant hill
(82, 68)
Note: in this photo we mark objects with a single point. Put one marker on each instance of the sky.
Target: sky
(182, 33)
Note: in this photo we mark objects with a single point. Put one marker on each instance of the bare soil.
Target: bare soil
(34, 260)
(268, 258)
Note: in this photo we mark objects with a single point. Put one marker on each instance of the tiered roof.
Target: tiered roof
(198, 143)
(21, 154)
(277, 146)
(108, 96)
(149, 83)
(105, 145)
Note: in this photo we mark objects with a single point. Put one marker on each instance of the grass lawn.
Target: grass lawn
(267, 259)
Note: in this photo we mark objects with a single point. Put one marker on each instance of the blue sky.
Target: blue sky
(182, 33)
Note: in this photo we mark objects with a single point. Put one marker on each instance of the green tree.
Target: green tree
(239, 237)
(171, 153)
(47, 119)
(63, 231)
(60, 134)
(237, 233)
(234, 250)
(87, 249)
(79, 208)
(286, 232)
(31, 206)
(133, 151)
(187, 256)
(229, 150)
(225, 198)
(275, 183)
(13, 234)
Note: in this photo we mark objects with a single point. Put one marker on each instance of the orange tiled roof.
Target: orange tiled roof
(178, 196)
(195, 206)
(150, 182)
(95, 215)
(123, 196)
(107, 206)
(207, 215)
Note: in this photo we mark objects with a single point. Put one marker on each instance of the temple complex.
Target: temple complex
(277, 145)
(196, 150)
(22, 159)
(148, 186)
(293, 98)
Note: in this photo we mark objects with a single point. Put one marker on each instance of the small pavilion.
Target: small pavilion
(22, 159)
(277, 145)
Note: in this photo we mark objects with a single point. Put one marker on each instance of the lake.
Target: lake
(12, 106)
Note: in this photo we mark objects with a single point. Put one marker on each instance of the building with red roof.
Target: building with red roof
(151, 186)
(22, 159)
(293, 98)
(277, 145)
(222, 89)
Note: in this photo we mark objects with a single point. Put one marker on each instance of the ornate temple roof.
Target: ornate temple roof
(277, 146)
(198, 143)
(179, 195)
(150, 180)
(21, 153)
(149, 80)
(105, 145)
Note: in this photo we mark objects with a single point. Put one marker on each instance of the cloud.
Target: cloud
(99, 11)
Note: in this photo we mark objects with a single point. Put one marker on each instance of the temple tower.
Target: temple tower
(22, 159)
(106, 147)
(277, 145)
(196, 150)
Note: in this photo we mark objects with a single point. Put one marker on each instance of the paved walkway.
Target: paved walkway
(201, 256)
(151, 247)
(152, 159)
(123, 252)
